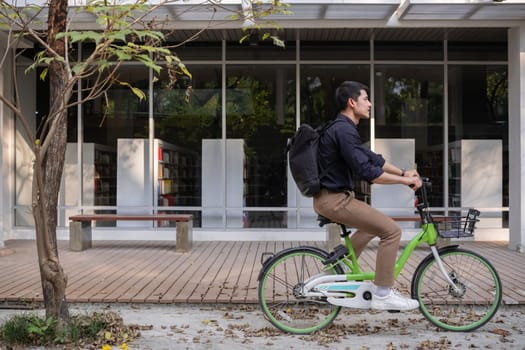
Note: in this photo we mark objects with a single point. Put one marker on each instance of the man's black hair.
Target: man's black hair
(348, 89)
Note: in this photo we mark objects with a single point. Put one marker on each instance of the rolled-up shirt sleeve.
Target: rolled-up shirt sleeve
(373, 168)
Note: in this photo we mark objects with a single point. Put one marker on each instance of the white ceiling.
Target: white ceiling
(374, 10)
(338, 19)
(193, 14)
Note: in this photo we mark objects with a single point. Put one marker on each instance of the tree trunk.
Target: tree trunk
(47, 175)
(49, 164)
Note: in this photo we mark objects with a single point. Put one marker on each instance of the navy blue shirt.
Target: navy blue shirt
(343, 154)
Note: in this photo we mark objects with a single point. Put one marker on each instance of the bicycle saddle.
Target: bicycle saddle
(323, 220)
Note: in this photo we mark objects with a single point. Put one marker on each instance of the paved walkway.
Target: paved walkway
(213, 272)
(244, 327)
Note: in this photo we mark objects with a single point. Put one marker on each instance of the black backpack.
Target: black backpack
(303, 156)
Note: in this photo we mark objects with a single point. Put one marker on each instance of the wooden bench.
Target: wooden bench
(80, 228)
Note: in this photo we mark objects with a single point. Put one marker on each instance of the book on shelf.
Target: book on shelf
(165, 156)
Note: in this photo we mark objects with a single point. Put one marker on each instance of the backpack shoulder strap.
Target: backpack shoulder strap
(322, 130)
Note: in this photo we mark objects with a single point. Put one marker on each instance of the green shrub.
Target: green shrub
(95, 329)
(15, 331)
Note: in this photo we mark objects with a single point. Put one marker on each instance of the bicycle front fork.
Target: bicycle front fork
(442, 268)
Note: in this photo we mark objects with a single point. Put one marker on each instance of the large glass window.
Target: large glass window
(199, 51)
(256, 49)
(187, 119)
(318, 85)
(23, 153)
(478, 140)
(340, 50)
(114, 151)
(213, 145)
(35, 94)
(408, 50)
(477, 51)
(260, 116)
(409, 127)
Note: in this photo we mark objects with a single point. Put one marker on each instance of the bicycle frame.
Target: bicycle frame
(428, 235)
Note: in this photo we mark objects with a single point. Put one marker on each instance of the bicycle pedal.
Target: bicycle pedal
(394, 311)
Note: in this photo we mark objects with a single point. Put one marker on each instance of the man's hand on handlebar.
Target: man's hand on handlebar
(411, 173)
(414, 181)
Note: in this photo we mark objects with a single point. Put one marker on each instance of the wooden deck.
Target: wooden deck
(213, 272)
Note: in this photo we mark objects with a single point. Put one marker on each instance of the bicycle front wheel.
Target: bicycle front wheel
(471, 304)
(280, 291)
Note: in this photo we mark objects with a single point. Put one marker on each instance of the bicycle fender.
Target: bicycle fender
(424, 261)
(279, 254)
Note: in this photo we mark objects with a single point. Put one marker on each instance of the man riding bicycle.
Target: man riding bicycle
(343, 156)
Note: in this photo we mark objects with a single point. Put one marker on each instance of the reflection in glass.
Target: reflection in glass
(260, 113)
(318, 85)
(186, 115)
(106, 123)
(408, 50)
(335, 50)
(478, 139)
(240, 179)
(477, 51)
(409, 105)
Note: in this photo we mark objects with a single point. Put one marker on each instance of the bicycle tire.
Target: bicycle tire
(466, 309)
(279, 277)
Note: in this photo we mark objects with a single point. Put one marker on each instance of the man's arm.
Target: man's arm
(395, 175)
(392, 169)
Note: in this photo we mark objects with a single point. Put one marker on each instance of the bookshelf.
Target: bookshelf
(173, 182)
(178, 173)
(105, 182)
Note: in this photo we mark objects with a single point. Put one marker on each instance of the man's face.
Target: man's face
(362, 106)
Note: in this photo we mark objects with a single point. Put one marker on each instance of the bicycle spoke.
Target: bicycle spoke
(280, 280)
(467, 305)
(281, 292)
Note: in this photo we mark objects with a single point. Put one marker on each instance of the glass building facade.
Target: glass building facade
(219, 152)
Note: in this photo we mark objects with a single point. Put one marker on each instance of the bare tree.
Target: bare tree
(127, 32)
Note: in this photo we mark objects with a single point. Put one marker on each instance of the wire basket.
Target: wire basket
(459, 227)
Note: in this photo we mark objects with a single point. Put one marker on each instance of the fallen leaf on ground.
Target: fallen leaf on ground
(500, 331)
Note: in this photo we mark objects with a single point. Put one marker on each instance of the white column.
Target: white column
(516, 51)
(2, 138)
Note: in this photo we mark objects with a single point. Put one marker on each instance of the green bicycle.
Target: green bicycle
(302, 289)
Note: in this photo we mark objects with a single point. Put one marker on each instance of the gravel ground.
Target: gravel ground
(218, 326)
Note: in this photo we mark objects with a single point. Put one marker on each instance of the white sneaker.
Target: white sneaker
(393, 301)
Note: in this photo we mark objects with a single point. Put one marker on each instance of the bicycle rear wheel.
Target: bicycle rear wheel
(280, 283)
(466, 308)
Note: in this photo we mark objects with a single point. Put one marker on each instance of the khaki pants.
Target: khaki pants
(342, 207)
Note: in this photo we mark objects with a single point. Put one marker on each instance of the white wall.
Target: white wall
(70, 187)
(3, 117)
(24, 155)
(516, 52)
(395, 199)
(218, 191)
(13, 143)
(134, 184)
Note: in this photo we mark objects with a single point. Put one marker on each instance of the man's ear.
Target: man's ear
(351, 102)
